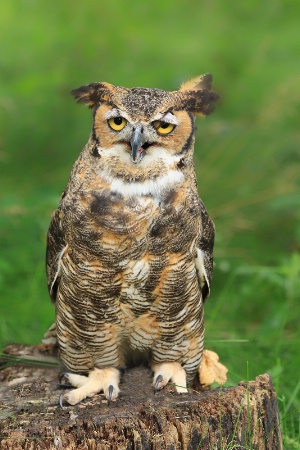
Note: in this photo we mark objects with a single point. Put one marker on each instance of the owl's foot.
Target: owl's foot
(211, 370)
(106, 380)
(170, 371)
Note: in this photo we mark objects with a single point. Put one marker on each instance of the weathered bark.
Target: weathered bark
(240, 417)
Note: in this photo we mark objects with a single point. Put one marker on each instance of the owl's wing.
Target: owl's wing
(204, 258)
(56, 247)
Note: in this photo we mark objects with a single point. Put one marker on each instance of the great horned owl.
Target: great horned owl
(129, 255)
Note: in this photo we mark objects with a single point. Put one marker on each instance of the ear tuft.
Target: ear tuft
(91, 94)
(201, 82)
(197, 97)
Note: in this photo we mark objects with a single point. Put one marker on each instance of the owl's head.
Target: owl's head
(142, 132)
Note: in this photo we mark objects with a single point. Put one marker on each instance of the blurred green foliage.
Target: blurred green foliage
(247, 155)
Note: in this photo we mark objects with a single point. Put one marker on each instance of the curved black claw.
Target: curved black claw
(64, 375)
(110, 393)
(61, 401)
(157, 381)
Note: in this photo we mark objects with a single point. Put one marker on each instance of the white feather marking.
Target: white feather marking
(170, 118)
(136, 271)
(113, 113)
(200, 267)
(57, 273)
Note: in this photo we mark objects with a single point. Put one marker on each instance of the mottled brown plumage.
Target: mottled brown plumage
(129, 256)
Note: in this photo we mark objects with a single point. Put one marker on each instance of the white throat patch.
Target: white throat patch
(155, 187)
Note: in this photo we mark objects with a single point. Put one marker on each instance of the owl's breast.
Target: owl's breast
(107, 226)
(112, 227)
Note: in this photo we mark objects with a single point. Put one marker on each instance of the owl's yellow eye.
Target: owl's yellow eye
(117, 123)
(163, 127)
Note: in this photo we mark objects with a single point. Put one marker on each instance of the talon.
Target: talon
(157, 381)
(61, 377)
(110, 393)
(61, 401)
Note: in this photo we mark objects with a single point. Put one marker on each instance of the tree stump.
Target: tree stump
(239, 417)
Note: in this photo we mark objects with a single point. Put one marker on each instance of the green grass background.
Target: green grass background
(247, 156)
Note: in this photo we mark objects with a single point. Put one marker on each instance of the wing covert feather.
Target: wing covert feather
(205, 244)
(55, 249)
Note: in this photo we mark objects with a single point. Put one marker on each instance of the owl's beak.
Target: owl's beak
(136, 142)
